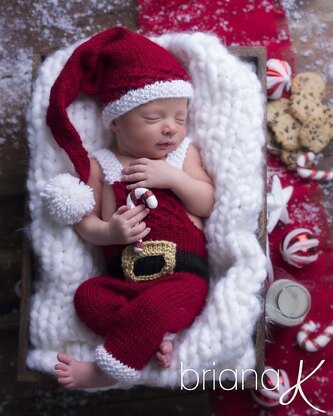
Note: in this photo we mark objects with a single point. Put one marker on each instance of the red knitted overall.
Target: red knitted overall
(133, 317)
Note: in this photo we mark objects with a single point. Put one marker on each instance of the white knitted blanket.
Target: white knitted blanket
(226, 123)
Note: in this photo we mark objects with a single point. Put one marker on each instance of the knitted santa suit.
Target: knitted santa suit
(134, 317)
(125, 70)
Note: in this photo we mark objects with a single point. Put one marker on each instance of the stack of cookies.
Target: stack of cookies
(302, 123)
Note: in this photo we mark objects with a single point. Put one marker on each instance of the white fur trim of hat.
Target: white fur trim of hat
(135, 98)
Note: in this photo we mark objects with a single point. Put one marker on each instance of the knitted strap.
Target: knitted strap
(110, 165)
(177, 157)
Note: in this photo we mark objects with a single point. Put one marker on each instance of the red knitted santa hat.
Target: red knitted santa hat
(124, 70)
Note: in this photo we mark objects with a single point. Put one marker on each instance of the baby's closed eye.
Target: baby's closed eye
(152, 118)
(151, 115)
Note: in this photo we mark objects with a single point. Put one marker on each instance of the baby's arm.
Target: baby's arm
(125, 224)
(192, 184)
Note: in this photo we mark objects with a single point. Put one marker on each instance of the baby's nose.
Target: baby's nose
(169, 127)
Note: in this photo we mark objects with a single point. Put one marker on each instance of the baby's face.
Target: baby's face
(152, 130)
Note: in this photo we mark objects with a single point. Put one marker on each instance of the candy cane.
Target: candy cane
(319, 342)
(141, 196)
(303, 168)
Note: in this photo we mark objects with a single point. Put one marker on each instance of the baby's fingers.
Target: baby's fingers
(141, 234)
(124, 208)
(132, 212)
(138, 217)
(133, 168)
(134, 177)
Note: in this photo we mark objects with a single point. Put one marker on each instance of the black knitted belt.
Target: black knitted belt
(149, 267)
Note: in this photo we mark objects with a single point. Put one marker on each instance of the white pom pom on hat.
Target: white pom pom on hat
(68, 199)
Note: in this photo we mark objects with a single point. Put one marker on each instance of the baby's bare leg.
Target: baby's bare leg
(164, 354)
(73, 374)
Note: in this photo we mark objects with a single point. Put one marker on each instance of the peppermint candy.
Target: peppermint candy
(299, 247)
(278, 78)
(276, 383)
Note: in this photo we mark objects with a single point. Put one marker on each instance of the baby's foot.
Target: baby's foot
(72, 373)
(164, 354)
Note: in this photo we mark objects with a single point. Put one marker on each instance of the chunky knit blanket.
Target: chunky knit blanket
(226, 123)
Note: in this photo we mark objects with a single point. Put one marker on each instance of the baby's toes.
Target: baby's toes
(160, 356)
(61, 366)
(161, 360)
(64, 358)
(65, 381)
(167, 362)
(166, 347)
(61, 374)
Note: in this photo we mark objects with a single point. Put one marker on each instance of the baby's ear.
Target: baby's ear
(114, 126)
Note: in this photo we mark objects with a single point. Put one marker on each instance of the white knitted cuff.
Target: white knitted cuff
(134, 98)
(67, 199)
(116, 369)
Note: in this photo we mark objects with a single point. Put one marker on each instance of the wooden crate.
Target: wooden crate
(257, 57)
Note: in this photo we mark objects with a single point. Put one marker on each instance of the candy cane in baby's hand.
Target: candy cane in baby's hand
(317, 343)
(141, 196)
(303, 168)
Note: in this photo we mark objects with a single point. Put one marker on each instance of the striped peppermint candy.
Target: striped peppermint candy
(299, 247)
(276, 383)
(278, 78)
(304, 169)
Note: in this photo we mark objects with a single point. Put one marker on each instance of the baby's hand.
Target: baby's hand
(125, 226)
(147, 173)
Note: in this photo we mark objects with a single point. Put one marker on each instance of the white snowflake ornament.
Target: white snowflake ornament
(277, 201)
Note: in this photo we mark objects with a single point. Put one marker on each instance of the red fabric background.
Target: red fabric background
(263, 22)
(236, 22)
(305, 210)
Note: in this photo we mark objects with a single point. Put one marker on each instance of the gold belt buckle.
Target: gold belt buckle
(166, 249)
